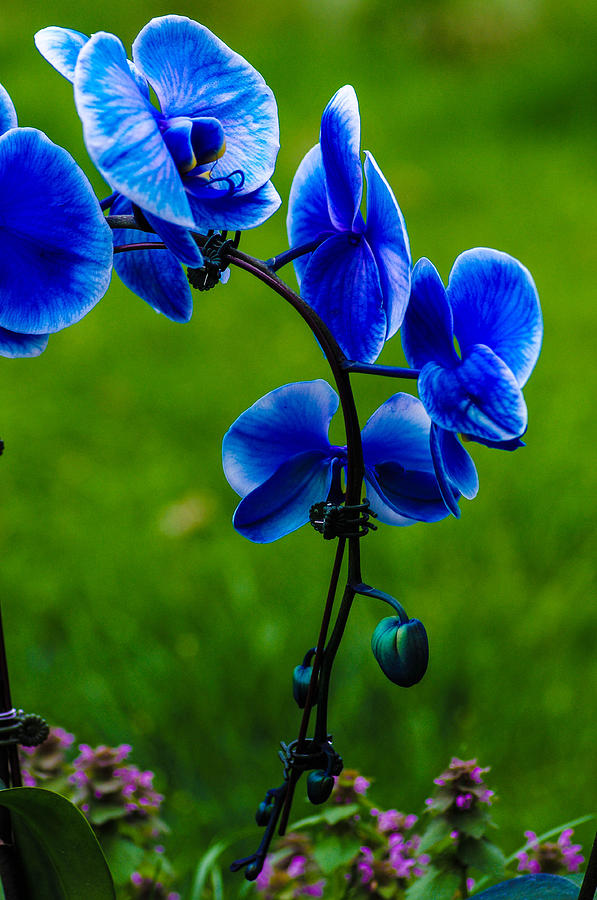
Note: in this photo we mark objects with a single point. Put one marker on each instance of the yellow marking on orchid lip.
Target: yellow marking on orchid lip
(183, 169)
(214, 155)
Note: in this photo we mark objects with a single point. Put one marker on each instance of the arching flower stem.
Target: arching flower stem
(282, 259)
(315, 672)
(374, 369)
(341, 368)
(147, 245)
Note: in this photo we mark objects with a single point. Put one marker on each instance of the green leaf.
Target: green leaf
(206, 865)
(473, 823)
(331, 852)
(482, 855)
(328, 816)
(436, 831)
(436, 884)
(532, 887)
(58, 851)
(123, 856)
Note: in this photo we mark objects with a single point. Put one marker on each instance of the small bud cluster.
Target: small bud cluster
(117, 798)
(461, 788)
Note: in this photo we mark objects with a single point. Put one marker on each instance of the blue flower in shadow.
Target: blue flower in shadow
(277, 456)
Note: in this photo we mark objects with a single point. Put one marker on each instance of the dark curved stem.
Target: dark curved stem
(282, 259)
(589, 884)
(374, 369)
(313, 682)
(354, 473)
(144, 245)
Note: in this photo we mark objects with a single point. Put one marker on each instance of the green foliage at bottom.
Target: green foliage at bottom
(59, 854)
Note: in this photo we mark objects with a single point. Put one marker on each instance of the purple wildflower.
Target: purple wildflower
(549, 857)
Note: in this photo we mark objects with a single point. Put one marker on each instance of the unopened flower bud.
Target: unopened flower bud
(301, 679)
(319, 786)
(401, 649)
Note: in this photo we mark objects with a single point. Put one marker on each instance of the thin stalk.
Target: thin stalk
(589, 884)
(10, 774)
(147, 245)
(282, 259)
(323, 631)
(374, 369)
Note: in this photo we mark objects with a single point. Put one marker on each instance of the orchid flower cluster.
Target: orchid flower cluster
(185, 133)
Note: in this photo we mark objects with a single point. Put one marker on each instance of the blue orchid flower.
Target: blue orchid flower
(55, 245)
(491, 309)
(203, 160)
(278, 458)
(358, 278)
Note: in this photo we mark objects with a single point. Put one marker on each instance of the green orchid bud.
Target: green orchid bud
(301, 679)
(319, 786)
(264, 812)
(401, 649)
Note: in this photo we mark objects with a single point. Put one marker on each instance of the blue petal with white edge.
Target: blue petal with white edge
(340, 140)
(195, 74)
(282, 503)
(308, 214)
(8, 113)
(55, 244)
(221, 209)
(387, 236)
(61, 47)
(448, 492)
(427, 333)
(178, 240)
(480, 397)
(15, 345)
(154, 275)
(121, 132)
(495, 302)
(341, 283)
(290, 420)
(458, 464)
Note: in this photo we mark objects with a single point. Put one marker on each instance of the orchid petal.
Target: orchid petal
(458, 464)
(340, 150)
(495, 302)
(398, 432)
(154, 275)
(220, 209)
(427, 332)
(380, 505)
(387, 236)
(290, 420)
(61, 47)
(178, 240)
(122, 134)
(308, 214)
(14, 345)
(56, 245)
(8, 113)
(401, 497)
(480, 397)
(341, 283)
(195, 74)
(448, 492)
(282, 503)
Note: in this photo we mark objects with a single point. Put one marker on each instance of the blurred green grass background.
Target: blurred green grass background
(134, 612)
